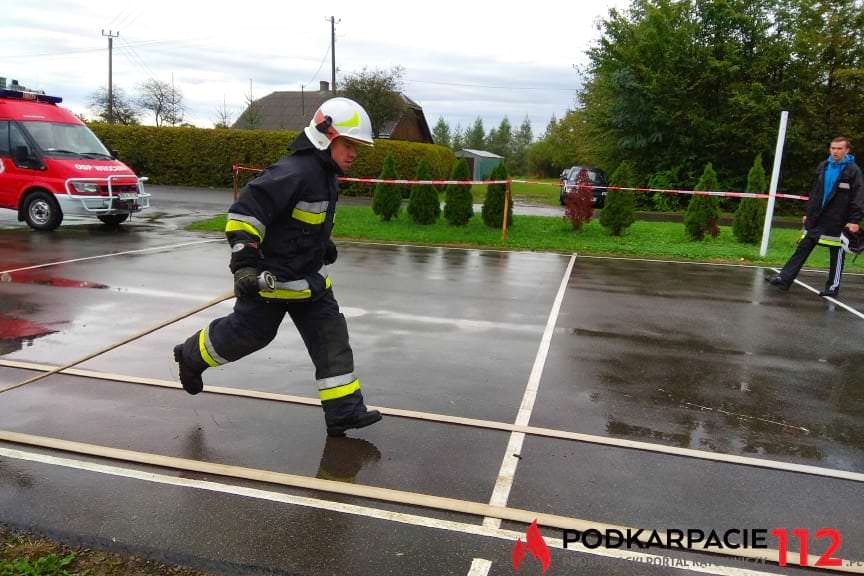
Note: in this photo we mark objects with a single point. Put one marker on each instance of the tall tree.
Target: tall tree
(475, 137)
(522, 139)
(501, 139)
(457, 138)
(124, 109)
(379, 92)
(441, 133)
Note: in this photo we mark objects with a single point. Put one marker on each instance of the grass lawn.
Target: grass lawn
(534, 194)
(22, 554)
(542, 233)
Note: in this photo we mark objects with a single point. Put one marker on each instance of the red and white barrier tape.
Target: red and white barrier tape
(693, 192)
(570, 187)
(380, 181)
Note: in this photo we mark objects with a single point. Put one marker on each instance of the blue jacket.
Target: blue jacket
(832, 171)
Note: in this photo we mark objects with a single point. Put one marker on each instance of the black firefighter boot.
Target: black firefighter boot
(191, 366)
(347, 412)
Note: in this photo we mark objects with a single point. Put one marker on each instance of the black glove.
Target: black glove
(330, 253)
(246, 282)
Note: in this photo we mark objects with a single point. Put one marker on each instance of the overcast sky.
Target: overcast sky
(461, 59)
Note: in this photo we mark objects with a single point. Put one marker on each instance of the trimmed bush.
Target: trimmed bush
(204, 156)
(423, 205)
(703, 212)
(459, 207)
(578, 206)
(493, 204)
(750, 215)
(388, 197)
(619, 211)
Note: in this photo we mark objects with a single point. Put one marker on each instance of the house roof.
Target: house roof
(285, 110)
(293, 110)
(411, 107)
(469, 153)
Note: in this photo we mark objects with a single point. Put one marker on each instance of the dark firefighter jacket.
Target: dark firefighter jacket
(844, 204)
(282, 221)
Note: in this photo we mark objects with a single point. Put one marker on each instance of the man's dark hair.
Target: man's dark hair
(842, 139)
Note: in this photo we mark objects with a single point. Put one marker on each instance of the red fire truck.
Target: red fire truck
(52, 166)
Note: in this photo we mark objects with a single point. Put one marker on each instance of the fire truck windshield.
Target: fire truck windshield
(65, 140)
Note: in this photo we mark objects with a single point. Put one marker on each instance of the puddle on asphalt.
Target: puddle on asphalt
(43, 279)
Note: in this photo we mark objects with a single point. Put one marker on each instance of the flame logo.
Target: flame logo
(536, 546)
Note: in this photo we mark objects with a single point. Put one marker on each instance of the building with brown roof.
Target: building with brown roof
(293, 110)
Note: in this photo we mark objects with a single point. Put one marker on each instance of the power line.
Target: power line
(119, 14)
(64, 52)
(321, 65)
(133, 56)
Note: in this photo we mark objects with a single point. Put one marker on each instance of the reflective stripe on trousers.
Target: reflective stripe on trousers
(208, 352)
(337, 386)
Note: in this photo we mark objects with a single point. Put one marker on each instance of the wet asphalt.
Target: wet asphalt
(686, 355)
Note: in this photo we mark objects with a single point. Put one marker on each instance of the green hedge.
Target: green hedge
(204, 156)
(407, 155)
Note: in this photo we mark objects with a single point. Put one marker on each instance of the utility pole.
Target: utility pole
(333, 21)
(110, 37)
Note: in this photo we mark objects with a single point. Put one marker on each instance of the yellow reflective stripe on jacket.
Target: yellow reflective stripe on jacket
(340, 391)
(309, 217)
(236, 225)
(311, 212)
(202, 347)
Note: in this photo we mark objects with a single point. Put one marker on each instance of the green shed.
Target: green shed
(480, 162)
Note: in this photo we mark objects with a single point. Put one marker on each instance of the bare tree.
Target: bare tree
(378, 91)
(251, 117)
(176, 110)
(163, 100)
(224, 116)
(125, 110)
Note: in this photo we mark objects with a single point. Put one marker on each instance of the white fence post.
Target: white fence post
(775, 177)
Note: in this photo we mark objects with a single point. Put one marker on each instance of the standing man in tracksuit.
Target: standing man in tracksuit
(281, 224)
(836, 203)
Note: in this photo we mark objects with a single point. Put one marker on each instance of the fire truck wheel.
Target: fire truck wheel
(113, 219)
(42, 211)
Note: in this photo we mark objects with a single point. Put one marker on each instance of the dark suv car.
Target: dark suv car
(596, 177)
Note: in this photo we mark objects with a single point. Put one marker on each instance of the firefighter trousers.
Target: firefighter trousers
(254, 324)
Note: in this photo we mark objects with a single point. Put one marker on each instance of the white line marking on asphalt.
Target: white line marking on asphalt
(479, 567)
(504, 483)
(832, 300)
(153, 249)
(699, 565)
(478, 249)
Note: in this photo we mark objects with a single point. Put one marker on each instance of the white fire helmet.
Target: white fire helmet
(339, 117)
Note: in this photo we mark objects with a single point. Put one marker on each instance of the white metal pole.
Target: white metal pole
(775, 177)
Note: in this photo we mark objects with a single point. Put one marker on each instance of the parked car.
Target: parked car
(596, 177)
(52, 165)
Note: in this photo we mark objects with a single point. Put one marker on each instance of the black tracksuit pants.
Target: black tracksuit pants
(805, 247)
(254, 324)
